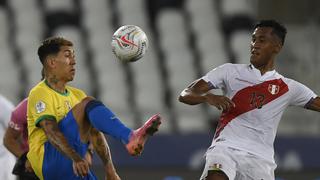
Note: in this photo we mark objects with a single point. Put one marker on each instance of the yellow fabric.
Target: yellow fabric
(45, 103)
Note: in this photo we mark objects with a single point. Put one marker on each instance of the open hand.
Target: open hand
(28, 166)
(81, 167)
(220, 102)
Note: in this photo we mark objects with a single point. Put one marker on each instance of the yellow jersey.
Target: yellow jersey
(46, 103)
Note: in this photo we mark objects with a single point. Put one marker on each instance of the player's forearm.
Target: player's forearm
(12, 145)
(314, 104)
(57, 139)
(187, 96)
(101, 147)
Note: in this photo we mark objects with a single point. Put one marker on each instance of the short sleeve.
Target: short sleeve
(14, 122)
(82, 94)
(19, 116)
(40, 107)
(300, 94)
(218, 76)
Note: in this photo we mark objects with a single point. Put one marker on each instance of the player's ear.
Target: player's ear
(51, 61)
(277, 47)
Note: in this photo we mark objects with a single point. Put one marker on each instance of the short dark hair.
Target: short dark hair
(51, 46)
(277, 27)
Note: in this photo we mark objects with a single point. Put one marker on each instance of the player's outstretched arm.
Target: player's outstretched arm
(57, 139)
(101, 147)
(198, 92)
(195, 93)
(314, 104)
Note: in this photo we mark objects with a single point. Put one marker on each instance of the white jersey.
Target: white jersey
(260, 102)
(6, 158)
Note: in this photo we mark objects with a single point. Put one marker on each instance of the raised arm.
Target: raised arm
(195, 93)
(314, 104)
(198, 92)
(101, 147)
(57, 139)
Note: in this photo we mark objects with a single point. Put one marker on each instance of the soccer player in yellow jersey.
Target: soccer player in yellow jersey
(62, 120)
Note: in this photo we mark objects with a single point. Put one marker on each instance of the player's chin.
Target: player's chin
(254, 60)
(71, 78)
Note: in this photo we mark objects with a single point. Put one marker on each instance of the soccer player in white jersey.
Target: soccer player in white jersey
(7, 160)
(255, 97)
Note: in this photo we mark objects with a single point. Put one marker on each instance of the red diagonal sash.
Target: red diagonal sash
(250, 98)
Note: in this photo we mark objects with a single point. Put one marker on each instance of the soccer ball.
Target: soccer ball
(129, 43)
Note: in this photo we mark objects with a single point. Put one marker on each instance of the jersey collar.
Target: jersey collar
(63, 94)
(263, 77)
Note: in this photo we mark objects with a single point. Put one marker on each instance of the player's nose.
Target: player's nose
(73, 61)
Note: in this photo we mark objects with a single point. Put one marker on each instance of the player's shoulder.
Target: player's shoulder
(73, 89)
(19, 113)
(22, 104)
(231, 67)
(293, 84)
(76, 91)
(290, 81)
(40, 87)
(234, 66)
(40, 91)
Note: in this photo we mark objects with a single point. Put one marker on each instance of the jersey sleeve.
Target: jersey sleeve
(218, 76)
(14, 122)
(40, 107)
(19, 116)
(82, 94)
(300, 94)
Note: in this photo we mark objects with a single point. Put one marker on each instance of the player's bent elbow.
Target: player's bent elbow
(87, 99)
(186, 100)
(7, 139)
(182, 99)
(183, 96)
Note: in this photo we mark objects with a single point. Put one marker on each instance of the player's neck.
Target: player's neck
(56, 84)
(265, 68)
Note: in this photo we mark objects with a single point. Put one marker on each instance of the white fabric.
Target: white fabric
(6, 158)
(237, 164)
(254, 131)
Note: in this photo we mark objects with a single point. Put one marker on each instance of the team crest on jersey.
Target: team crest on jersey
(40, 107)
(273, 89)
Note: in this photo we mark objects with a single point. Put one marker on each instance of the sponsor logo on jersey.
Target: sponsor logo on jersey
(14, 126)
(40, 107)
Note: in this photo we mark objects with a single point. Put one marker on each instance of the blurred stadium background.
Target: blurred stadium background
(187, 39)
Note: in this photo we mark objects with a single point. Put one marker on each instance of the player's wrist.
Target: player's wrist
(90, 151)
(110, 170)
(76, 157)
(207, 96)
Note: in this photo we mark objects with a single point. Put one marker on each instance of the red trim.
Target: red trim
(244, 103)
(123, 38)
